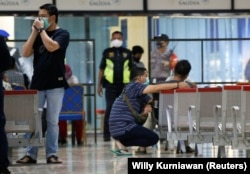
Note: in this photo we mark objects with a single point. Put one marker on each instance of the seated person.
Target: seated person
(123, 125)
(16, 77)
(181, 72)
(6, 85)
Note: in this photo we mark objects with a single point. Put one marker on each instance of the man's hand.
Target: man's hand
(99, 90)
(38, 23)
(147, 109)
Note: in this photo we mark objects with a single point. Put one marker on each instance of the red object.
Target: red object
(100, 111)
(213, 89)
(20, 92)
(167, 91)
(63, 131)
(232, 87)
(68, 71)
(173, 60)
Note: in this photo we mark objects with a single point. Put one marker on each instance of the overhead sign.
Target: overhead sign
(189, 5)
(241, 4)
(22, 5)
(100, 5)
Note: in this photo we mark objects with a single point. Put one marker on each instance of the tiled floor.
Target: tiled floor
(97, 159)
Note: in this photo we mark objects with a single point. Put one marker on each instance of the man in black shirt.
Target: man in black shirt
(4, 161)
(48, 43)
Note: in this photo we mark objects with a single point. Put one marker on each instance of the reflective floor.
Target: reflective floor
(97, 158)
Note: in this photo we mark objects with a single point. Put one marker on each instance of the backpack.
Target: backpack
(5, 59)
(247, 71)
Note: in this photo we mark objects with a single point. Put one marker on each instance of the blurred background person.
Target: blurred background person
(15, 77)
(137, 52)
(247, 71)
(4, 65)
(25, 66)
(6, 85)
(162, 60)
(63, 131)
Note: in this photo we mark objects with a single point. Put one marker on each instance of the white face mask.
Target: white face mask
(116, 43)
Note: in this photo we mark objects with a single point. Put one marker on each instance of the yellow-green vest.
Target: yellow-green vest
(109, 71)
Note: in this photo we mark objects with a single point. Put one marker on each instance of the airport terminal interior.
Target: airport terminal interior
(96, 158)
(214, 35)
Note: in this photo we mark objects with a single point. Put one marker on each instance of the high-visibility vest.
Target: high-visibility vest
(109, 71)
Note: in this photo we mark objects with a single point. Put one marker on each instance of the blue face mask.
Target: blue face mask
(46, 23)
(147, 81)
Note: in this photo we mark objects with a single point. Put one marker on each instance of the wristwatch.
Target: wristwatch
(40, 30)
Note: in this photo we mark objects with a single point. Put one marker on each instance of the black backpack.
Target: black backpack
(5, 62)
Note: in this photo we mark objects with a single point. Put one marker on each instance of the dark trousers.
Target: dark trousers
(111, 93)
(4, 161)
(138, 136)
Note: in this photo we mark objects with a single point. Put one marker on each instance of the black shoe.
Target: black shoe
(189, 149)
(79, 143)
(179, 151)
(63, 141)
(106, 139)
(4, 170)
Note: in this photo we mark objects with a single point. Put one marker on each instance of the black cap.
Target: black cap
(162, 37)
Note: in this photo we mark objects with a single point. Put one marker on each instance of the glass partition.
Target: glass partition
(213, 61)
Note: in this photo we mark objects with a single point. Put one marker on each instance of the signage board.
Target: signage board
(22, 5)
(189, 5)
(241, 4)
(100, 5)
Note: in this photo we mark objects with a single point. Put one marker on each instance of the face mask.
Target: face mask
(116, 43)
(46, 23)
(159, 44)
(147, 81)
(136, 59)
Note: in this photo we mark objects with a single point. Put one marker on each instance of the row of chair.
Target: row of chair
(23, 115)
(218, 115)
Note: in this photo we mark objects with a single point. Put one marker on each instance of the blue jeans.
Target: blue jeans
(138, 136)
(4, 161)
(54, 99)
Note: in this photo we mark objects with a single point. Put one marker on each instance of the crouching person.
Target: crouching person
(135, 101)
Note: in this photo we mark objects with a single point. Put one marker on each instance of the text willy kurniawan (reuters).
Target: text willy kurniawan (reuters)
(187, 165)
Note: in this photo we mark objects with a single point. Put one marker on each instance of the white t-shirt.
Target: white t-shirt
(73, 80)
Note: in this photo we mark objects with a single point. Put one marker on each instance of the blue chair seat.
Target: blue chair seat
(70, 117)
(72, 108)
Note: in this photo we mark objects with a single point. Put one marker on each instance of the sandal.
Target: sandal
(121, 152)
(53, 160)
(115, 151)
(124, 152)
(26, 160)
